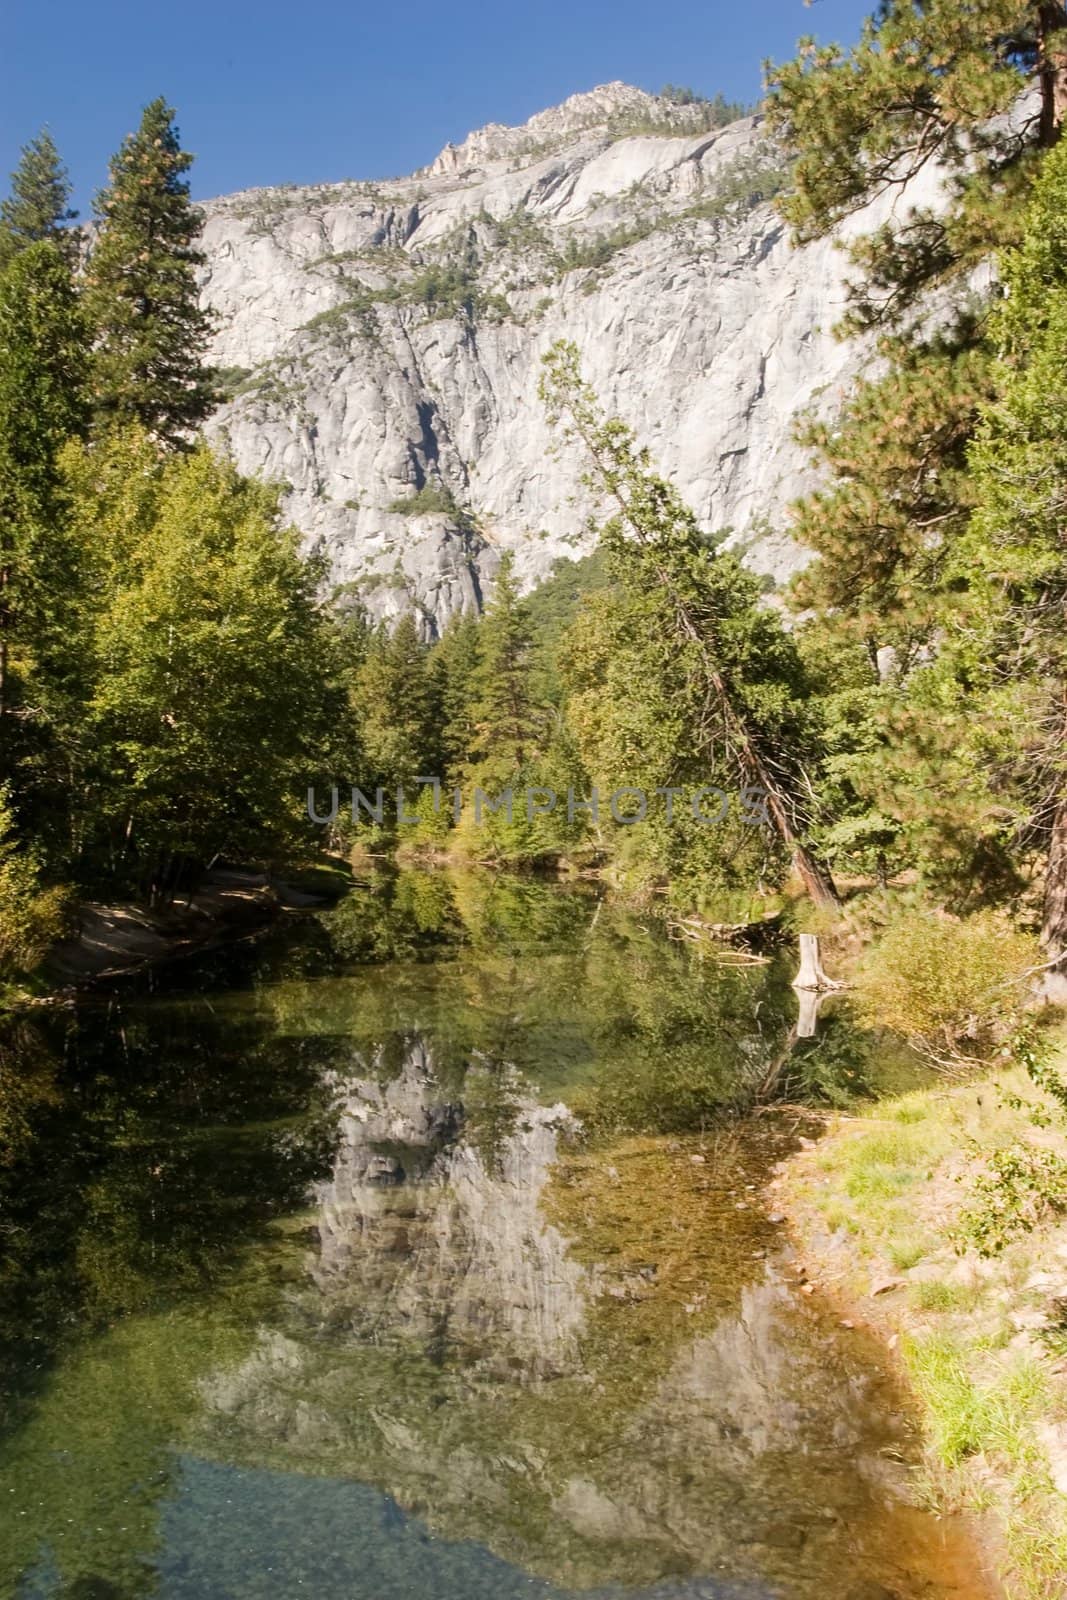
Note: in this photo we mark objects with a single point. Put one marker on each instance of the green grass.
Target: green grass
(936, 1295)
(897, 1179)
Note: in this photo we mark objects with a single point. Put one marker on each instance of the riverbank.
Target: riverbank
(113, 941)
(881, 1210)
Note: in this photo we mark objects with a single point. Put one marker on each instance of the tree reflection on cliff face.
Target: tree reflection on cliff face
(432, 1216)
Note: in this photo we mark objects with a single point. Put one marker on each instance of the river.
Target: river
(417, 1250)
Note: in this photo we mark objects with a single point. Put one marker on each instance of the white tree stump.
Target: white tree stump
(811, 975)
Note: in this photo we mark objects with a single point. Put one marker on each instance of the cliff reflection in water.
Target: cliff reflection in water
(412, 1255)
(667, 1407)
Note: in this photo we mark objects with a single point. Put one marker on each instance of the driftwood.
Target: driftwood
(746, 938)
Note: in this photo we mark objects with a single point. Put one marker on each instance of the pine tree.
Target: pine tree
(43, 354)
(454, 664)
(37, 207)
(142, 290)
(932, 85)
(508, 726)
(743, 687)
(920, 90)
(1014, 557)
(396, 697)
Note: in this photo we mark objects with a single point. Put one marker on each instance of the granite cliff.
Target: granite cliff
(382, 341)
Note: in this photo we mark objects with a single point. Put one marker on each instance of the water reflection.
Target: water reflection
(419, 1260)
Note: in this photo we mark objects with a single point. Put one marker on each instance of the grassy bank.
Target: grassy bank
(887, 1216)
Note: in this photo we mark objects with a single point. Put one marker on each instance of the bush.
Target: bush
(435, 499)
(31, 918)
(954, 989)
(1022, 1186)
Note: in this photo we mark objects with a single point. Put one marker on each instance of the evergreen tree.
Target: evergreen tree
(397, 699)
(142, 289)
(743, 688)
(921, 89)
(508, 728)
(1010, 650)
(931, 85)
(37, 207)
(43, 347)
(454, 664)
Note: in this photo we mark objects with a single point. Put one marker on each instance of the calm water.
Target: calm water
(418, 1252)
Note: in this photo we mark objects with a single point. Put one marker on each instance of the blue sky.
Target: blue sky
(287, 93)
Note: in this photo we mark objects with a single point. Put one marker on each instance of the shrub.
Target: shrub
(435, 499)
(31, 917)
(954, 989)
(1022, 1186)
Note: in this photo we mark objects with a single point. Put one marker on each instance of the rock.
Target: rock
(783, 1536)
(776, 1216)
(698, 1161)
(885, 1286)
(710, 333)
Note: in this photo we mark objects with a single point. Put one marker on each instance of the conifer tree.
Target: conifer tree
(741, 676)
(454, 664)
(929, 85)
(43, 347)
(921, 88)
(1010, 650)
(508, 726)
(396, 695)
(142, 289)
(38, 205)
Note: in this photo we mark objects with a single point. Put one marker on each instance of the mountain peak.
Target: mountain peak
(609, 106)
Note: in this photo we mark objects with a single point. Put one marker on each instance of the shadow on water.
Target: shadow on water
(416, 1251)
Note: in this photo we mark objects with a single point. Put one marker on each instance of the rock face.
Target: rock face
(383, 341)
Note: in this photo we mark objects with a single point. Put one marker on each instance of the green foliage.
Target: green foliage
(703, 115)
(741, 184)
(953, 988)
(721, 695)
(923, 777)
(43, 358)
(455, 663)
(32, 918)
(37, 207)
(507, 725)
(397, 700)
(968, 1417)
(553, 608)
(1020, 1187)
(434, 499)
(920, 87)
(216, 695)
(142, 291)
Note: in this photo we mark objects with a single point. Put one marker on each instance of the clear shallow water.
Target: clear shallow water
(413, 1253)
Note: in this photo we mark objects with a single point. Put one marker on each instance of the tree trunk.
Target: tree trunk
(815, 878)
(1054, 919)
(1052, 69)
